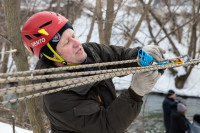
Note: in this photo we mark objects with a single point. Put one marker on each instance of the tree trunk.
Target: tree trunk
(180, 80)
(110, 16)
(100, 22)
(92, 26)
(4, 64)
(150, 30)
(12, 15)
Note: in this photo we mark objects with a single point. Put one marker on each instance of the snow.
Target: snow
(7, 128)
(166, 82)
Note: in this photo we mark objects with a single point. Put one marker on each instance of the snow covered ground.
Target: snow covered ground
(7, 128)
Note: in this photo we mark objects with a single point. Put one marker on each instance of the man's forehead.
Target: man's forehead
(67, 33)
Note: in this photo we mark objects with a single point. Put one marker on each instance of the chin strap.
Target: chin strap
(60, 59)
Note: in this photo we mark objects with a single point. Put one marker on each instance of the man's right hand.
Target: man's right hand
(155, 51)
(142, 83)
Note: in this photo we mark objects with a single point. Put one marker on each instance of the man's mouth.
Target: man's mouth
(79, 51)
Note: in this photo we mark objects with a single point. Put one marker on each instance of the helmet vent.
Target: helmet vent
(45, 24)
(32, 50)
(28, 37)
(37, 35)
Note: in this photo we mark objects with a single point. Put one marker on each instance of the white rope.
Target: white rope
(8, 52)
(32, 87)
(23, 73)
(91, 79)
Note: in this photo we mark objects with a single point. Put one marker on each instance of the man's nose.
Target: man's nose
(76, 42)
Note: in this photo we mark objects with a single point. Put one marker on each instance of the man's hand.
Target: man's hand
(155, 51)
(143, 82)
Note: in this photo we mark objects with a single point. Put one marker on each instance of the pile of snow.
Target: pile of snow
(7, 128)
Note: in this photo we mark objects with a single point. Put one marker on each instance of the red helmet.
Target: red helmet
(40, 28)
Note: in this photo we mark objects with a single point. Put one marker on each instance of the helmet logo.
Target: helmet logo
(56, 38)
(43, 31)
(38, 42)
(60, 20)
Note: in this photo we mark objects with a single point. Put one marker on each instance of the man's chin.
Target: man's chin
(82, 60)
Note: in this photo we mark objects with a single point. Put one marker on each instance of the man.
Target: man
(196, 124)
(92, 108)
(179, 122)
(169, 105)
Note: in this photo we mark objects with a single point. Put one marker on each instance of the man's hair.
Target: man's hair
(197, 118)
(170, 92)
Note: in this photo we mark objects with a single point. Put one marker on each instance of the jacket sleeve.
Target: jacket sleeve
(114, 53)
(183, 125)
(88, 116)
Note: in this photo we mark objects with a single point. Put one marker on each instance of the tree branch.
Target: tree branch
(138, 24)
(6, 38)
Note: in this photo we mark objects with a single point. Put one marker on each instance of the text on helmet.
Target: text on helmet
(38, 42)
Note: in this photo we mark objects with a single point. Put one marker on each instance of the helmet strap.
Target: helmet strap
(60, 59)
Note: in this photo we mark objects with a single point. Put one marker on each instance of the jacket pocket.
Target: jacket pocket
(87, 107)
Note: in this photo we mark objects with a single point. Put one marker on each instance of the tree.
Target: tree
(146, 9)
(12, 17)
(105, 26)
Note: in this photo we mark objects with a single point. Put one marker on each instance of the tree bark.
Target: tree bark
(12, 15)
(100, 22)
(92, 26)
(150, 30)
(4, 64)
(110, 16)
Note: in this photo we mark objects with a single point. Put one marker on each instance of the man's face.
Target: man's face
(173, 96)
(70, 49)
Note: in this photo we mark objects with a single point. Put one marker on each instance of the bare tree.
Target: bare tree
(92, 25)
(3, 64)
(138, 24)
(192, 50)
(105, 25)
(100, 21)
(12, 13)
(110, 17)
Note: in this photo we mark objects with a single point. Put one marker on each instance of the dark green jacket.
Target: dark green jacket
(93, 108)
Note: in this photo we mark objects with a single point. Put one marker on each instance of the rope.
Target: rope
(50, 76)
(74, 80)
(21, 89)
(8, 52)
(24, 73)
(90, 79)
